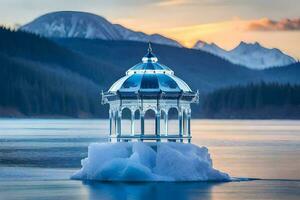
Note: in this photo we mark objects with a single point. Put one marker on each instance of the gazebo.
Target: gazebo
(150, 85)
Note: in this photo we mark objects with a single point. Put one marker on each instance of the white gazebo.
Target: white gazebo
(150, 85)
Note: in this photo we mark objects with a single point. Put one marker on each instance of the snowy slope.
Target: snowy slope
(210, 48)
(251, 55)
(69, 24)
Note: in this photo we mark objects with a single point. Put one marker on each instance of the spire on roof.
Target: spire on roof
(149, 57)
(149, 47)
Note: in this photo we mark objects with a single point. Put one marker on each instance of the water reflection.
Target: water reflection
(145, 191)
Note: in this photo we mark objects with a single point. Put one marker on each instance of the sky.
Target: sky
(273, 23)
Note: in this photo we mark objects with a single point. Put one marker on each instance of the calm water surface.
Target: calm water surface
(37, 158)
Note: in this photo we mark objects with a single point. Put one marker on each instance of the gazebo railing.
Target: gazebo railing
(158, 138)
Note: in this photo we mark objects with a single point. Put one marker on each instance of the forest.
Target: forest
(51, 78)
(253, 101)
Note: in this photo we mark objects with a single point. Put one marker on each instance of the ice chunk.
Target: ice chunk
(138, 161)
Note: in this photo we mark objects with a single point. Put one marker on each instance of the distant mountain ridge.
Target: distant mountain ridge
(74, 24)
(70, 24)
(251, 55)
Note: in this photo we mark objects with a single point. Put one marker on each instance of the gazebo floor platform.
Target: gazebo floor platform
(169, 138)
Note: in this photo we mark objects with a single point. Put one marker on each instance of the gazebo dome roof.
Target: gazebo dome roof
(149, 76)
(155, 82)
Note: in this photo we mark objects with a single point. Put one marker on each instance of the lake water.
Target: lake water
(37, 158)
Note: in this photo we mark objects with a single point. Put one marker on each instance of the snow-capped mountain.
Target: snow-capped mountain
(251, 55)
(210, 48)
(69, 24)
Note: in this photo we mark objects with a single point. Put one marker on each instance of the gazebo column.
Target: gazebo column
(132, 123)
(180, 118)
(166, 123)
(189, 126)
(183, 124)
(119, 118)
(157, 124)
(111, 115)
(115, 122)
(142, 123)
(184, 118)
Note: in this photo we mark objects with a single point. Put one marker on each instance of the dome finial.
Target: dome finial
(149, 57)
(149, 47)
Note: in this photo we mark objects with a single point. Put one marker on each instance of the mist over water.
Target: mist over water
(39, 155)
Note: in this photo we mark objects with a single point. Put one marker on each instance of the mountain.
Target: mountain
(251, 55)
(42, 77)
(72, 24)
(210, 48)
(201, 70)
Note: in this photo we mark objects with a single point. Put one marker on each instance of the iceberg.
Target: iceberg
(141, 161)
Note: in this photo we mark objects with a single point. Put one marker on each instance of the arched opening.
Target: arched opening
(137, 122)
(173, 127)
(150, 122)
(126, 121)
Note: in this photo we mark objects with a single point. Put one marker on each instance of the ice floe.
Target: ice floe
(138, 161)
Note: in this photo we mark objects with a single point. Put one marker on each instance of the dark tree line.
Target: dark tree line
(263, 100)
(31, 91)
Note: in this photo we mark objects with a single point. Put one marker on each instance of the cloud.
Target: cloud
(266, 24)
(172, 2)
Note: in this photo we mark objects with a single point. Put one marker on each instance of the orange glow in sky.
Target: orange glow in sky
(228, 34)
